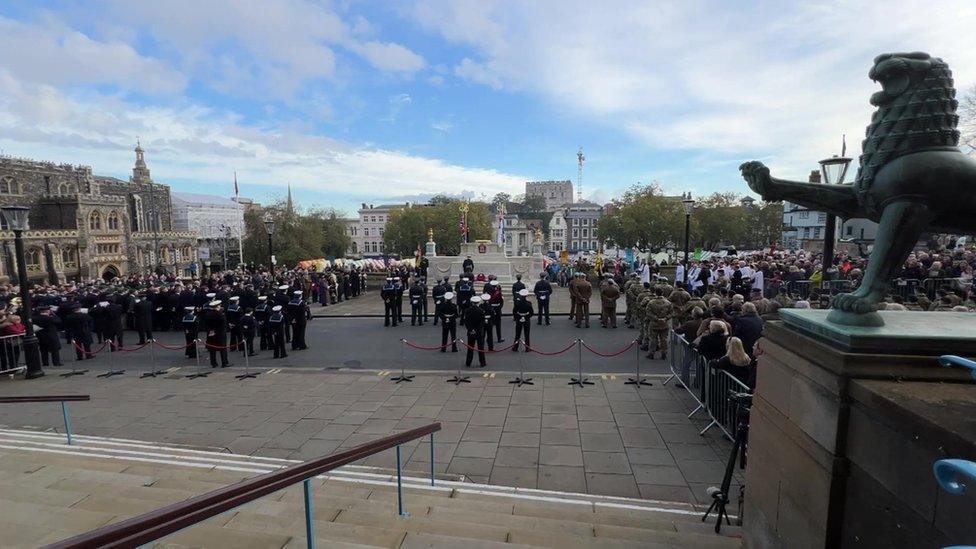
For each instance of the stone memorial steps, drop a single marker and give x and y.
(50, 491)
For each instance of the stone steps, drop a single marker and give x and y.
(49, 492)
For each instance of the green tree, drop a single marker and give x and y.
(643, 218)
(500, 198)
(720, 220)
(407, 228)
(297, 236)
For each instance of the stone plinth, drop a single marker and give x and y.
(489, 259)
(842, 438)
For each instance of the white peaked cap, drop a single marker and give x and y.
(523, 292)
(297, 292)
(234, 297)
(475, 299)
(83, 310)
(485, 297)
(211, 294)
(494, 283)
(449, 295)
(214, 303)
(103, 303)
(276, 308)
(187, 308)
(262, 298)
(283, 287)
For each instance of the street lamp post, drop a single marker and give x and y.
(834, 171)
(269, 224)
(464, 221)
(223, 242)
(16, 217)
(688, 203)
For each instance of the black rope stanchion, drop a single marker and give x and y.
(403, 375)
(111, 372)
(199, 372)
(458, 378)
(74, 371)
(637, 381)
(521, 379)
(579, 379)
(248, 374)
(153, 372)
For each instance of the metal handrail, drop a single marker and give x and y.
(156, 524)
(51, 398)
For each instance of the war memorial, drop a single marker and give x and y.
(859, 432)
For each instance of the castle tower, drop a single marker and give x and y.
(140, 173)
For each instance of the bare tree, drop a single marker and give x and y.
(967, 121)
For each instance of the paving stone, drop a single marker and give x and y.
(606, 462)
(661, 492)
(561, 478)
(549, 407)
(352, 418)
(523, 425)
(390, 412)
(476, 449)
(427, 411)
(597, 427)
(650, 456)
(559, 421)
(658, 474)
(680, 433)
(522, 477)
(482, 433)
(309, 426)
(247, 445)
(522, 411)
(682, 451)
(562, 437)
(520, 439)
(594, 413)
(671, 406)
(443, 452)
(561, 455)
(633, 420)
(641, 438)
(473, 467)
(336, 432)
(702, 471)
(379, 427)
(601, 442)
(612, 485)
(680, 418)
(269, 429)
(516, 456)
(489, 416)
(315, 448)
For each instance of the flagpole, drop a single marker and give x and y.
(240, 227)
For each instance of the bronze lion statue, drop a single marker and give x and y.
(912, 175)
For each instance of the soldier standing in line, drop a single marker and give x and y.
(609, 292)
(542, 291)
(659, 313)
(191, 328)
(113, 325)
(629, 295)
(465, 291)
(388, 294)
(523, 320)
(423, 293)
(448, 312)
(573, 290)
(398, 298)
(281, 298)
(583, 292)
(142, 318)
(485, 307)
(79, 325)
(277, 324)
(416, 308)
(261, 314)
(474, 323)
(299, 315)
(215, 325)
(248, 326)
(497, 301)
(48, 338)
(438, 292)
(516, 288)
(234, 313)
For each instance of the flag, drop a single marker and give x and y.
(843, 147)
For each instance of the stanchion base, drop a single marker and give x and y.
(638, 382)
(111, 373)
(399, 379)
(519, 381)
(201, 374)
(247, 375)
(580, 381)
(74, 373)
(154, 373)
(457, 380)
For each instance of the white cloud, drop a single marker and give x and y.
(444, 126)
(197, 144)
(397, 103)
(747, 81)
(390, 57)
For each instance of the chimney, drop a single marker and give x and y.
(815, 176)
(364, 206)
(371, 206)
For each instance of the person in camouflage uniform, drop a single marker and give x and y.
(659, 313)
(679, 297)
(695, 301)
(640, 308)
(631, 289)
(783, 298)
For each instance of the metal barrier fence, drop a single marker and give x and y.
(708, 386)
(902, 287)
(11, 359)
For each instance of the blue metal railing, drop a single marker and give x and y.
(953, 474)
(63, 399)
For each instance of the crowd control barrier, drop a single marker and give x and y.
(709, 387)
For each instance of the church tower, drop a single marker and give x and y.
(140, 173)
(289, 206)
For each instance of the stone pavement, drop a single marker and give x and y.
(608, 438)
(370, 304)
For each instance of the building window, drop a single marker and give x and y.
(33, 259)
(593, 232)
(95, 221)
(354, 248)
(585, 245)
(576, 222)
(586, 222)
(508, 240)
(187, 252)
(816, 232)
(593, 245)
(9, 186)
(586, 232)
(821, 217)
(575, 232)
(381, 231)
(365, 218)
(849, 230)
(804, 214)
(113, 221)
(806, 232)
(372, 219)
(69, 258)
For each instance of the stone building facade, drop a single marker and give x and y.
(86, 226)
(556, 194)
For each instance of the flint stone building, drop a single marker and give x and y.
(86, 226)
(556, 194)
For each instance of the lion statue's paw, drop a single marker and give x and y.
(853, 303)
(757, 176)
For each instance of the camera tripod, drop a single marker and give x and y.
(720, 496)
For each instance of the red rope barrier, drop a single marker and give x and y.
(171, 348)
(487, 351)
(598, 353)
(82, 349)
(543, 353)
(133, 349)
(220, 347)
(423, 348)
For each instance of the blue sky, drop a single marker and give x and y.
(352, 101)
